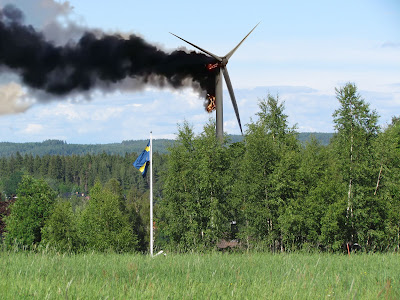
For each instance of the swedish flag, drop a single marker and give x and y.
(142, 162)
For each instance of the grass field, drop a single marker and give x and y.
(28, 275)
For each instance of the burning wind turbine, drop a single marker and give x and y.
(97, 61)
(103, 61)
(216, 101)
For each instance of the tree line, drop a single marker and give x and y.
(58, 147)
(280, 194)
(62, 148)
(78, 188)
(76, 173)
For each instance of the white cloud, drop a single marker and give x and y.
(134, 105)
(127, 117)
(33, 129)
(66, 110)
(231, 125)
(104, 114)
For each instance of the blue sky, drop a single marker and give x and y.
(301, 50)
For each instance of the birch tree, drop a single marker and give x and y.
(356, 128)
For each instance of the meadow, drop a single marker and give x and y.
(50, 275)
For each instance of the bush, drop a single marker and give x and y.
(29, 212)
(60, 231)
(103, 225)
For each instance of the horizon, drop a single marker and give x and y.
(136, 140)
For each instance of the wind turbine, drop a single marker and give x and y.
(222, 62)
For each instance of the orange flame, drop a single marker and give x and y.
(211, 103)
(212, 66)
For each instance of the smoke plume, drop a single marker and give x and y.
(11, 96)
(95, 62)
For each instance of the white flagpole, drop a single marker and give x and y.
(151, 194)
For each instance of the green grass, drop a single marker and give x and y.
(28, 275)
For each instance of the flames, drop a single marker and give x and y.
(211, 103)
(212, 66)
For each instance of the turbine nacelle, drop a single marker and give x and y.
(224, 62)
(217, 103)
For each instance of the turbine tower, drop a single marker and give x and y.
(222, 62)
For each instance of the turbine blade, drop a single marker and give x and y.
(228, 56)
(233, 99)
(201, 49)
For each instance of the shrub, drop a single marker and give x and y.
(60, 231)
(103, 225)
(29, 212)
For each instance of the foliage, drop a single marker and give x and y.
(285, 195)
(357, 130)
(138, 211)
(60, 229)
(70, 174)
(103, 225)
(11, 183)
(29, 212)
(387, 188)
(62, 148)
(194, 212)
(268, 190)
(265, 186)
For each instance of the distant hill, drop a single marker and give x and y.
(57, 147)
(322, 137)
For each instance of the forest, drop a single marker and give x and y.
(269, 191)
(58, 147)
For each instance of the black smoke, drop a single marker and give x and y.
(95, 61)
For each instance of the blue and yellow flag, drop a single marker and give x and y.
(142, 162)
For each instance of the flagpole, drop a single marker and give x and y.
(151, 194)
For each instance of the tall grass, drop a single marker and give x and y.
(29, 275)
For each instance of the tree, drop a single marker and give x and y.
(387, 188)
(178, 213)
(268, 174)
(300, 221)
(29, 212)
(56, 169)
(11, 183)
(272, 117)
(195, 210)
(357, 128)
(213, 185)
(138, 210)
(60, 229)
(102, 225)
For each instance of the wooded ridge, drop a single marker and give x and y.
(58, 147)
